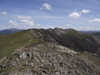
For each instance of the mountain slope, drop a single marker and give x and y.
(49, 52)
(69, 38)
(12, 41)
(46, 59)
(75, 40)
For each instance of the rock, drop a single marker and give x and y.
(46, 60)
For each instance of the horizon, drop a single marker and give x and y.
(81, 15)
(51, 28)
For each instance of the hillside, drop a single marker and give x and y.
(12, 41)
(69, 38)
(46, 59)
(49, 52)
(95, 35)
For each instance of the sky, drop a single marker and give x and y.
(25, 14)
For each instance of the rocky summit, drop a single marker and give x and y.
(52, 52)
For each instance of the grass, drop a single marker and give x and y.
(8, 43)
(90, 57)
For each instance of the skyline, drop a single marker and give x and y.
(24, 14)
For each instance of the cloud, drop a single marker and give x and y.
(3, 13)
(24, 17)
(26, 20)
(79, 13)
(85, 11)
(96, 20)
(46, 6)
(20, 21)
(11, 22)
(74, 15)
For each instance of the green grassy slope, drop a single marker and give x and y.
(8, 43)
(91, 58)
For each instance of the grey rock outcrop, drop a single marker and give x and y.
(46, 59)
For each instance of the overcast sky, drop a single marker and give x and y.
(77, 14)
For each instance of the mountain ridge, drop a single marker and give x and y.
(49, 52)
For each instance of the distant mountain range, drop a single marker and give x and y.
(9, 31)
(13, 30)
